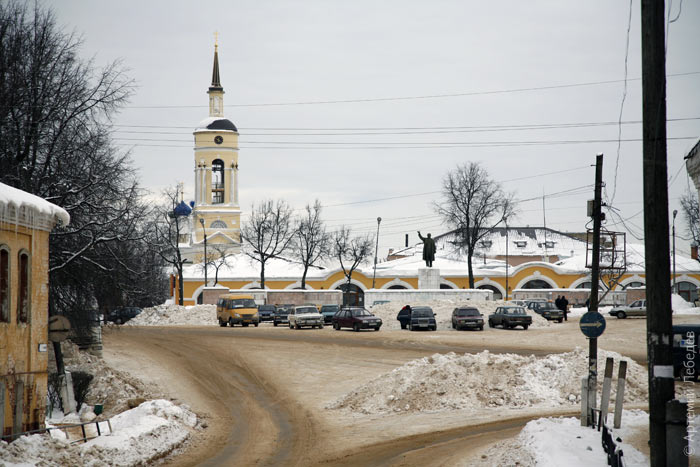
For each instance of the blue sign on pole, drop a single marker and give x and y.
(592, 324)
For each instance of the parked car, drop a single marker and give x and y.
(123, 314)
(636, 308)
(532, 300)
(404, 316)
(281, 314)
(266, 312)
(305, 315)
(686, 352)
(235, 309)
(422, 317)
(510, 317)
(328, 311)
(522, 303)
(356, 318)
(548, 310)
(467, 318)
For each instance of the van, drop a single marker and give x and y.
(235, 309)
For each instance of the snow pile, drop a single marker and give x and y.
(109, 387)
(553, 442)
(484, 380)
(681, 307)
(443, 311)
(175, 315)
(145, 433)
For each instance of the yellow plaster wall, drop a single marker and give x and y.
(20, 359)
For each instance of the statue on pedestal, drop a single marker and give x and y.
(428, 249)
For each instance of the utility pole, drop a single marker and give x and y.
(659, 350)
(595, 278)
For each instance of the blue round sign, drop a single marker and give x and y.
(592, 324)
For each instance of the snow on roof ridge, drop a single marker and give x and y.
(10, 196)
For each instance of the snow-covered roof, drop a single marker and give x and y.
(27, 209)
(216, 124)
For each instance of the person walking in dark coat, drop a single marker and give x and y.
(564, 307)
(557, 302)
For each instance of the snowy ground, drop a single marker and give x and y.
(175, 315)
(140, 435)
(475, 381)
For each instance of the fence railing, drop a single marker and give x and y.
(86, 436)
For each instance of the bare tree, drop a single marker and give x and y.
(351, 252)
(169, 226)
(474, 205)
(312, 242)
(691, 212)
(220, 259)
(268, 232)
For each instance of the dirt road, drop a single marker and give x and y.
(263, 390)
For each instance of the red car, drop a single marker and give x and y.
(356, 318)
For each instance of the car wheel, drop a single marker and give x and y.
(490, 323)
(377, 328)
(621, 315)
(410, 327)
(434, 328)
(118, 321)
(336, 326)
(297, 326)
(320, 326)
(481, 328)
(560, 320)
(222, 323)
(453, 325)
(290, 325)
(525, 326)
(356, 327)
(256, 324)
(230, 322)
(245, 325)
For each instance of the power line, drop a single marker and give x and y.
(406, 98)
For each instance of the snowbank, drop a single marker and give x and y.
(483, 380)
(554, 442)
(443, 310)
(139, 436)
(175, 315)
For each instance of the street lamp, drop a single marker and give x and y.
(505, 219)
(675, 213)
(374, 276)
(206, 279)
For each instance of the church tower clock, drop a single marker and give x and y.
(216, 176)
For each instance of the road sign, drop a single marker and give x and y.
(592, 324)
(59, 327)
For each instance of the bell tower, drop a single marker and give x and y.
(216, 176)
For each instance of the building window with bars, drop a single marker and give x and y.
(217, 181)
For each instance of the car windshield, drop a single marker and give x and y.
(548, 306)
(422, 312)
(330, 308)
(514, 310)
(266, 308)
(306, 310)
(467, 312)
(243, 303)
(361, 312)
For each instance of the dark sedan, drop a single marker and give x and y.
(422, 317)
(281, 315)
(266, 312)
(548, 310)
(356, 318)
(467, 318)
(122, 315)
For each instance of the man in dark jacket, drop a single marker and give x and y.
(428, 249)
(564, 307)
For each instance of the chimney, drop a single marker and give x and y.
(694, 251)
(406, 240)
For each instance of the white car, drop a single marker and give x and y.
(636, 308)
(301, 316)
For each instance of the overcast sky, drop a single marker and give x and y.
(286, 52)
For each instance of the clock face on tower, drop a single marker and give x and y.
(218, 139)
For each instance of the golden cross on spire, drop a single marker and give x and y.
(216, 39)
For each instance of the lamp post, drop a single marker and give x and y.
(505, 219)
(206, 279)
(675, 213)
(374, 275)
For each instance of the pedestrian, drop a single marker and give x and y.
(565, 307)
(557, 302)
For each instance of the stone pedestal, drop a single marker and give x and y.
(428, 278)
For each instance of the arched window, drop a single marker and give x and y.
(585, 285)
(352, 295)
(397, 287)
(687, 290)
(218, 225)
(496, 293)
(536, 284)
(217, 181)
(23, 295)
(4, 284)
(445, 286)
(634, 284)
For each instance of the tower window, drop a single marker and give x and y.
(218, 225)
(217, 182)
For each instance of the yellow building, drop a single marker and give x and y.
(25, 223)
(216, 209)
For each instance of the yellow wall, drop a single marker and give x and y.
(20, 358)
